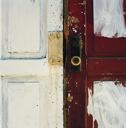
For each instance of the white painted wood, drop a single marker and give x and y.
(49, 77)
(24, 67)
(23, 105)
(56, 97)
(24, 28)
(55, 15)
(18, 90)
(24, 101)
(107, 104)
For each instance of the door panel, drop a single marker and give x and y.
(23, 24)
(106, 28)
(105, 93)
(106, 103)
(109, 18)
(23, 105)
(23, 101)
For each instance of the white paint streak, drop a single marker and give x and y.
(109, 18)
(108, 104)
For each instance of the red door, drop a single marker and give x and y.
(95, 63)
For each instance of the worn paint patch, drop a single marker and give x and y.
(55, 40)
(106, 103)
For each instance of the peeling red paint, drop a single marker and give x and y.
(96, 62)
(74, 27)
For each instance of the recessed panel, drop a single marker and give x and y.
(24, 28)
(109, 18)
(23, 25)
(21, 105)
(107, 104)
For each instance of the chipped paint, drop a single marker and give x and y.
(106, 103)
(72, 20)
(55, 40)
(69, 98)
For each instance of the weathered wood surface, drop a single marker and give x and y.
(55, 45)
(51, 77)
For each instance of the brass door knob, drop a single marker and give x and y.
(75, 60)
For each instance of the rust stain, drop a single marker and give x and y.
(55, 41)
(66, 30)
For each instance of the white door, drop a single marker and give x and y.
(25, 80)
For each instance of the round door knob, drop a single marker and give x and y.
(75, 60)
